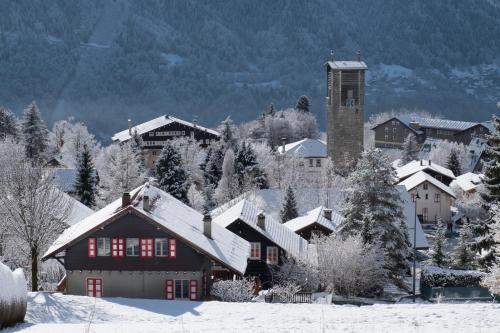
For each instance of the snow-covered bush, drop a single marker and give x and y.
(440, 277)
(492, 280)
(234, 290)
(297, 272)
(348, 267)
(12, 296)
(284, 293)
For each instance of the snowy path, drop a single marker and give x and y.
(59, 313)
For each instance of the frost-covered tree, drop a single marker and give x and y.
(85, 186)
(303, 104)
(213, 168)
(440, 153)
(233, 290)
(137, 145)
(8, 124)
(410, 149)
(248, 172)
(228, 184)
(349, 267)
(228, 134)
(370, 188)
(464, 255)
(195, 198)
(272, 110)
(208, 197)
(492, 280)
(298, 272)
(438, 255)
(453, 163)
(192, 157)
(35, 133)
(172, 177)
(289, 210)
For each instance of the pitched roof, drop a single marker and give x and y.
(468, 181)
(305, 148)
(274, 231)
(416, 166)
(157, 123)
(409, 217)
(315, 216)
(174, 216)
(346, 65)
(420, 177)
(437, 123)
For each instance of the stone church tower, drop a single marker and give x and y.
(345, 99)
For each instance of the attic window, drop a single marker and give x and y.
(103, 247)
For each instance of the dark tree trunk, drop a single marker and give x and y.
(34, 269)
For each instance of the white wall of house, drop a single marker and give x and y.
(433, 202)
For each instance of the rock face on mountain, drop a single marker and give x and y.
(104, 61)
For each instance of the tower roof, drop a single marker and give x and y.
(346, 65)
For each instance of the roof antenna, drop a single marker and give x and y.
(359, 55)
(332, 54)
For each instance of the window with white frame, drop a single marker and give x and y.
(103, 247)
(272, 255)
(132, 247)
(161, 247)
(255, 250)
(437, 197)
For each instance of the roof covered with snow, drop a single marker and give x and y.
(274, 230)
(177, 218)
(78, 211)
(315, 216)
(157, 123)
(305, 148)
(421, 165)
(468, 181)
(438, 123)
(409, 217)
(346, 65)
(421, 177)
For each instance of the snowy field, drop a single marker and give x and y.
(56, 313)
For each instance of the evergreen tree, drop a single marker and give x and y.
(203, 165)
(438, 255)
(272, 110)
(410, 149)
(247, 169)
(289, 210)
(172, 177)
(485, 243)
(303, 104)
(373, 199)
(227, 134)
(137, 145)
(464, 255)
(85, 186)
(8, 124)
(213, 168)
(34, 132)
(453, 163)
(208, 194)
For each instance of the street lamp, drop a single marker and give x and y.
(415, 246)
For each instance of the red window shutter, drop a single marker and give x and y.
(117, 247)
(169, 289)
(193, 290)
(172, 248)
(92, 251)
(146, 246)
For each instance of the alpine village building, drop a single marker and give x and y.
(156, 132)
(319, 221)
(147, 245)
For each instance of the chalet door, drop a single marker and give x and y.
(94, 287)
(169, 289)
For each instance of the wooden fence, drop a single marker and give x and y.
(300, 297)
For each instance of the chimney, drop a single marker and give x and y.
(207, 225)
(130, 126)
(421, 162)
(145, 203)
(261, 221)
(430, 162)
(283, 143)
(327, 213)
(195, 122)
(126, 200)
(359, 55)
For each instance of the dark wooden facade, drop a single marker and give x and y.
(313, 229)
(156, 138)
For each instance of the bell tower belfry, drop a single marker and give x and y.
(345, 99)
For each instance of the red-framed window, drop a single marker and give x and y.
(146, 246)
(255, 250)
(117, 247)
(172, 248)
(169, 289)
(92, 251)
(193, 290)
(272, 255)
(94, 287)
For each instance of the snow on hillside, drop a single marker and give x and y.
(59, 313)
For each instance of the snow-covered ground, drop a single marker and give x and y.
(59, 313)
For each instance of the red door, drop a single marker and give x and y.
(94, 287)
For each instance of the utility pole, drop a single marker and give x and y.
(415, 248)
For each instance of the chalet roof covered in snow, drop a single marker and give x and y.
(78, 211)
(409, 217)
(421, 177)
(157, 123)
(346, 65)
(274, 230)
(305, 148)
(468, 181)
(438, 123)
(169, 213)
(315, 216)
(416, 166)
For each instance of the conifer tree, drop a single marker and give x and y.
(438, 255)
(453, 163)
(172, 177)
(227, 134)
(85, 186)
(371, 189)
(8, 124)
(303, 104)
(247, 169)
(208, 195)
(289, 210)
(410, 149)
(464, 255)
(272, 110)
(34, 132)
(203, 165)
(213, 168)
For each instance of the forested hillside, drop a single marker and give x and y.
(106, 61)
